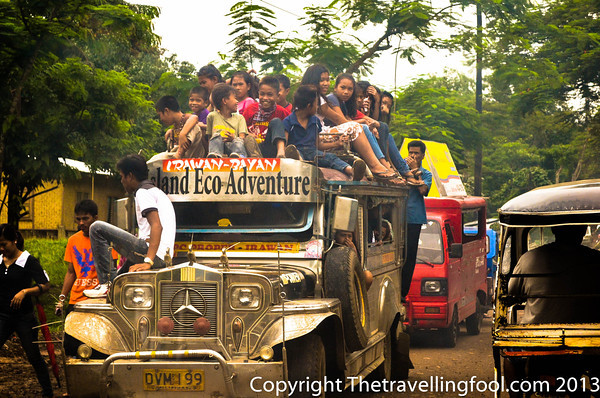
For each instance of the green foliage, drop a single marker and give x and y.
(51, 253)
(65, 90)
(251, 33)
(439, 109)
(326, 45)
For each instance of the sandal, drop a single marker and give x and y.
(384, 176)
(413, 182)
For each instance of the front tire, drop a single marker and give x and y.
(306, 359)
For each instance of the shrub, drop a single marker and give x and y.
(50, 252)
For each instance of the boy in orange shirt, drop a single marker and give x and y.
(81, 272)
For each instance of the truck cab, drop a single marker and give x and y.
(449, 284)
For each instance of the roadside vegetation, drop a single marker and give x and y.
(50, 252)
(79, 80)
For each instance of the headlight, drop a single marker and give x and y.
(245, 297)
(434, 287)
(138, 297)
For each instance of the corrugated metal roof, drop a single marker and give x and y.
(81, 167)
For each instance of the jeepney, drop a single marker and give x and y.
(554, 359)
(258, 301)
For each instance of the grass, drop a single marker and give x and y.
(50, 252)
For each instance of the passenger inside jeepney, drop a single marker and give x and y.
(380, 232)
(546, 276)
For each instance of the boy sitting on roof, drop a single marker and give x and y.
(266, 136)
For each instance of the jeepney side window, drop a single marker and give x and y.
(381, 231)
(473, 224)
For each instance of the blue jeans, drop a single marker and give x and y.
(102, 234)
(275, 132)
(388, 146)
(373, 142)
(22, 324)
(326, 159)
(218, 145)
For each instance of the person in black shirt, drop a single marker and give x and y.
(17, 271)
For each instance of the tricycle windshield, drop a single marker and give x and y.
(431, 247)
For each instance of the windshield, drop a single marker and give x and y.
(255, 217)
(431, 248)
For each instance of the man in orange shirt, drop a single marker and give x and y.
(81, 272)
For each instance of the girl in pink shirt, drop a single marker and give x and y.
(245, 90)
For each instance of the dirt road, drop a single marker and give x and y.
(472, 357)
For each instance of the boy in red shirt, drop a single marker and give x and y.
(266, 136)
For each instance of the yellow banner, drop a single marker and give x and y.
(290, 247)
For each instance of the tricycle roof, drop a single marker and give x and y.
(567, 203)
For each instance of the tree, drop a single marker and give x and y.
(409, 21)
(251, 35)
(439, 109)
(56, 101)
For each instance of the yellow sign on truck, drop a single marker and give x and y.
(446, 180)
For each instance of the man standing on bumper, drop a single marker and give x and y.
(156, 223)
(415, 209)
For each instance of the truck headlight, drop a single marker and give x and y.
(245, 297)
(434, 287)
(136, 297)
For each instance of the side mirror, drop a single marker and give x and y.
(345, 213)
(456, 250)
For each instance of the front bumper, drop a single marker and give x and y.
(122, 375)
(428, 314)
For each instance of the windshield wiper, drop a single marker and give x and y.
(421, 261)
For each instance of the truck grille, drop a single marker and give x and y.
(201, 297)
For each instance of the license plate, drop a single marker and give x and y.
(173, 380)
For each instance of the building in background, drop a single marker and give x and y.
(50, 214)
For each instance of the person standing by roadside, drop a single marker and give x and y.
(415, 209)
(156, 222)
(81, 271)
(17, 272)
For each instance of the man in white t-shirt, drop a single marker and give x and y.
(156, 223)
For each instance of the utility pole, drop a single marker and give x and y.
(478, 103)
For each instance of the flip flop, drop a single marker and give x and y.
(384, 176)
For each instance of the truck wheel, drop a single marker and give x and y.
(450, 334)
(473, 322)
(345, 280)
(384, 371)
(401, 363)
(306, 361)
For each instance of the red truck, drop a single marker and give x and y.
(449, 283)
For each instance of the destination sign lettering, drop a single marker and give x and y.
(183, 247)
(233, 179)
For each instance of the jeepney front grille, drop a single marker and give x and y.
(201, 297)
